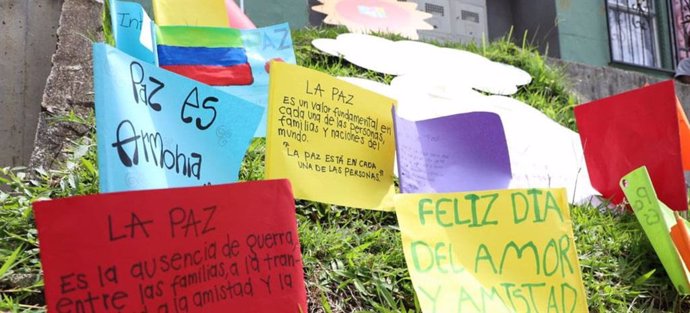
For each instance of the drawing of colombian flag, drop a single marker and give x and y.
(212, 55)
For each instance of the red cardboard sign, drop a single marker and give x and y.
(633, 129)
(225, 248)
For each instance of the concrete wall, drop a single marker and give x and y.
(536, 19)
(270, 12)
(27, 42)
(69, 88)
(595, 82)
(499, 15)
(583, 34)
(683, 93)
(146, 4)
(315, 18)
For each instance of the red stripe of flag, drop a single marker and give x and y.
(235, 75)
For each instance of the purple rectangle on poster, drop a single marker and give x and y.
(457, 153)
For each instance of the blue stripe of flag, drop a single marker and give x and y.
(173, 55)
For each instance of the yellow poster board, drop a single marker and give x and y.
(191, 13)
(332, 139)
(492, 251)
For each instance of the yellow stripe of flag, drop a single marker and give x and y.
(191, 12)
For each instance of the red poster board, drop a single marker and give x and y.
(225, 248)
(633, 129)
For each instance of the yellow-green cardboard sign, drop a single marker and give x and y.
(656, 219)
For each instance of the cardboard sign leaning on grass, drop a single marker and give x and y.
(234, 60)
(157, 129)
(191, 12)
(133, 30)
(656, 220)
(633, 129)
(263, 45)
(225, 248)
(332, 139)
(219, 13)
(681, 239)
(492, 251)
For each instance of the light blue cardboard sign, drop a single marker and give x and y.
(263, 45)
(133, 30)
(157, 129)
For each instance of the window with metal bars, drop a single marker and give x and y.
(633, 32)
(434, 8)
(681, 23)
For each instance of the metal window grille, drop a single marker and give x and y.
(681, 16)
(633, 32)
(433, 8)
(469, 16)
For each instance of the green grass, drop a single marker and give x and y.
(353, 259)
